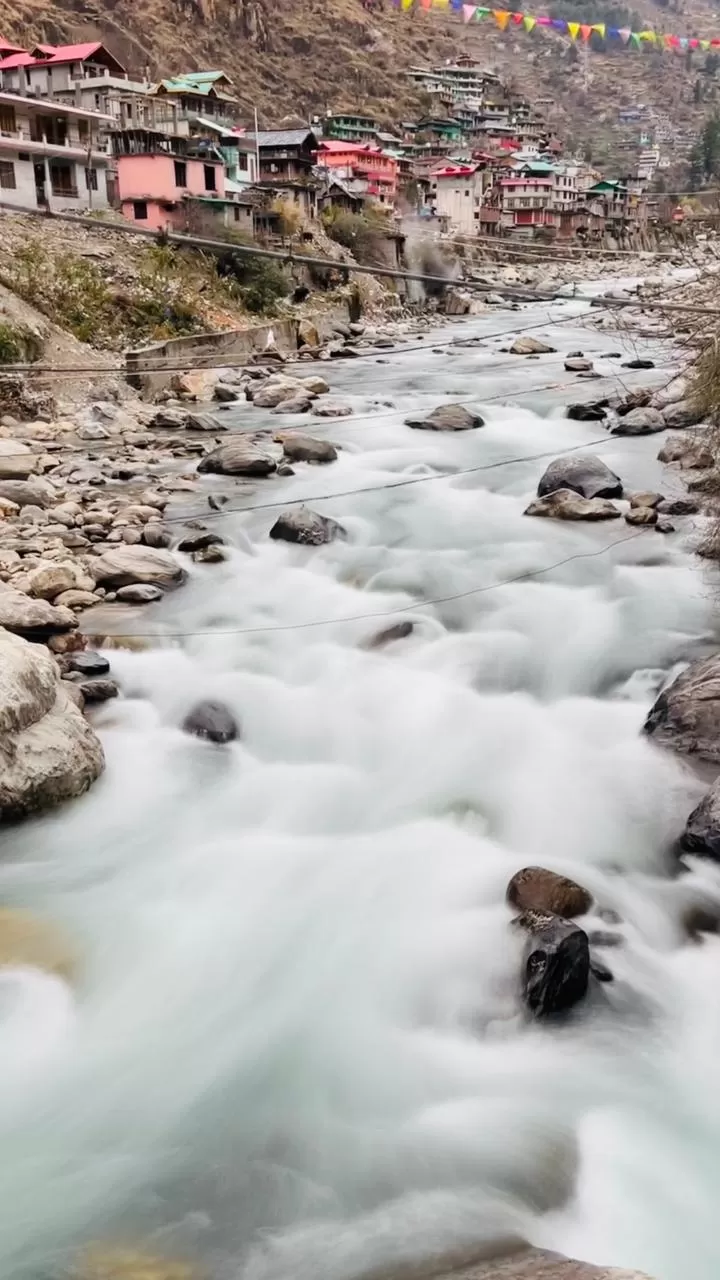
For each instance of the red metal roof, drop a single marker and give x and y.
(6, 46)
(456, 171)
(334, 144)
(51, 55)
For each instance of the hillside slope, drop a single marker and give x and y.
(306, 56)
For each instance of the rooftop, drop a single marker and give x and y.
(54, 55)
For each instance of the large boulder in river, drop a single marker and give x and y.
(584, 473)
(298, 447)
(240, 456)
(640, 422)
(17, 461)
(523, 1264)
(300, 524)
(556, 963)
(563, 504)
(538, 889)
(447, 417)
(702, 829)
(49, 751)
(527, 346)
(212, 721)
(686, 715)
(682, 414)
(121, 566)
(271, 394)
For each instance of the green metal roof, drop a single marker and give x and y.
(193, 82)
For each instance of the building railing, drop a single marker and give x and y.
(64, 191)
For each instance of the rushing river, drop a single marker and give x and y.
(296, 1049)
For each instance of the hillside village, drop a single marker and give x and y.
(81, 132)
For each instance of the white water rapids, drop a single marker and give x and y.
(296, 1049)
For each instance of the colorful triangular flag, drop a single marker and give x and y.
(573, 30)
(624, 34)
(600, 28)
(529, 22)
(502, 17)
(468, 12)
(585, 31)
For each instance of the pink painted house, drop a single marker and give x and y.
(160, 178)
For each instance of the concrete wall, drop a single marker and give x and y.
(211, 350)
(153, 178)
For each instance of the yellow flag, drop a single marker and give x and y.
(529, 22)
(502, 17)
(648, 35)
(600, 28)
(573, 28)
(407, 4)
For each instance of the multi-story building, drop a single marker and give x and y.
(349, 126)
(287, 159)
(201, 93)
(366, 171)
(459, 196)
(52, 156)
(160, 177)
(50, 70)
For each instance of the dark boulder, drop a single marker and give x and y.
(702, 829)
(556, 963)
(686, 715)
(593, 411)
(211, 721)
(584, 473)
(301, 448)
(239, 457)
(537, 889)
(156, 535)
(633, 400)
(88, 663)
(399, 631)
(300, 524)
(199, 541)
(447, 417)
(678, 507)
(639, 364)
(640, 422)
(98, 690)
(140, 593)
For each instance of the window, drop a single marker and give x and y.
(7, 175)
(236, 212)
(7, 120)
(91, 179)
(242, 162)
(84, 132)
(23, 155)
(181, 173)
(140, 211)
(210, 177)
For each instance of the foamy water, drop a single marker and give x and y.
(296, 1049)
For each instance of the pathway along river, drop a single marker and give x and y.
(297, 1050)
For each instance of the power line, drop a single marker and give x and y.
(392, 613)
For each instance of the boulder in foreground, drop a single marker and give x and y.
(50, 752)
(686, 715)
(531, 347)
(239, 457)
(556, 963)
(584, 473)
(211, 721)
(701, 836)
(520, 1264)
(538, 889)
(122, 566)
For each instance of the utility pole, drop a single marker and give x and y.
(257, 146)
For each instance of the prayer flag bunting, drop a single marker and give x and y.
(468, 12)
(502, 17)
(585, 31)
(573, 29)
(529, 22)
(600, 28)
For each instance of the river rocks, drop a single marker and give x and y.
(49, 580)
(33, 619)
(331, 410)
(157, 535)
(98, 690)
(17, 461)
(538, 889)
(300, 524)
(556, 963)
(564, 504)
(593, 411)
(399, 631)
(26, 493)
(76, 599)
(225, 394)
(50, 753)
(682, 414)
(296, 404)
(123, 565)
(678, 507)
(702, 829)
(686, 715)
(140, 593)
(29, 941)
(307, 334)
(636, 399)
(640, 422)
(639, 363)
(204, 422)
(527, 346)
(584, 473)
(198, 541)
(447, 417)
(513, 1263)
(645, 498)
(272, 394)
(88, 663)
(302, 448)
(211, 721)
(641, 516)
(314, 384)
(690, 452)
(578, 364)
(239, 457)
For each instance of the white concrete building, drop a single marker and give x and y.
(458, 195)
(52, 155)
(47, 70)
